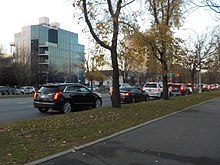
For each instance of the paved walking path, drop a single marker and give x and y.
(190, 137)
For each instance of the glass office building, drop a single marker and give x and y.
(53, 54)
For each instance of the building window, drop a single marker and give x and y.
(53, 36)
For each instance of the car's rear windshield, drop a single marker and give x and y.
(150, 85)
(177, 86)
(126, 88)
(50, 89)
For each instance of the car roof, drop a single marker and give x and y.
(60, 84)
(129, 88)
(153, 82)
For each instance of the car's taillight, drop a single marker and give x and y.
(181, 88)
(35, 95)
(126, 94)
(56, 95)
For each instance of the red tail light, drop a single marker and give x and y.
(35, 95)
(126, 94)
(181, 88)
(56, 95)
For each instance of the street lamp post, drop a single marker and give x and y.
(78, 79)
(200, 85)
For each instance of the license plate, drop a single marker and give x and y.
(43, 96)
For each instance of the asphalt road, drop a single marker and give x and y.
(190, 137)
(21, 108)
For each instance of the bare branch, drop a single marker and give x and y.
(91, 28)
(127, 4)
(110, 7)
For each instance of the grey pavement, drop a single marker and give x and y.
(189, 137)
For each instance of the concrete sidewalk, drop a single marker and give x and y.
(189, 137)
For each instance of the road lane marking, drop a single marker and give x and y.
(22, 102)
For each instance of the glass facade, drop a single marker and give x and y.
(60, 57)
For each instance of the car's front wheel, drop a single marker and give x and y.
(98, 103)
(67, 107)
(43, 110)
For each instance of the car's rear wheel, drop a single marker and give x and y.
(147, 98)
(98, 103)
(133, 100)
(170, 94)
(67, 107)
(43, 110)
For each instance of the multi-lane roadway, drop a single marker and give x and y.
(21, 108)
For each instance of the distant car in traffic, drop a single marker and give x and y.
(133, 94)
(94, 88)
(17, 91)
(27, 90)
(205, 87)
(4, 90)
(65, 97)
(179, 89)
(189, 88)
(12, 90)
(154, 89)
(120, 86)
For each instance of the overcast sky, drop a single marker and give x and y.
(15, 14)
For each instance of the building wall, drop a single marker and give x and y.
(58, 54)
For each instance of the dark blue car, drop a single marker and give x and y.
(133, 94)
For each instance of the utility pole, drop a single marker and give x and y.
(200, 85)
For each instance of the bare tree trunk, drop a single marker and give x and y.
(116, 102)
(126, 77)
(91, 84)
(165, 86)
(192, 75)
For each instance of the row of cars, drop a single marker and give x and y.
(155, 89)
(208, 87)
(132, 94)
(66, 97)
(4, 90)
